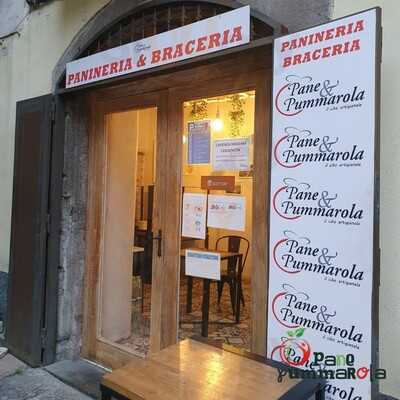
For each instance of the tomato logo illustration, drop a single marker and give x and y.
(293, 350)
(362, 372)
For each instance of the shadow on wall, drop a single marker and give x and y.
(3, 302)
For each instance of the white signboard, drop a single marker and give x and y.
(213, 34)
(231, 155)
(194, 215)
(226, 212)
(322, 198)
(203, 264)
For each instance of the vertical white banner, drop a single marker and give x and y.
(322, 200)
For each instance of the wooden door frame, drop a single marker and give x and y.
(92, 346)
(260, 81)
(245, 70)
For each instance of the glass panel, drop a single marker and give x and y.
(126, 263)
(218, 144)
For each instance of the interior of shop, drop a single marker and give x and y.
(229, 122)
(222, 223)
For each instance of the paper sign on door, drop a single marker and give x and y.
(203, 264)
(194, 215)
(227, 212)
(231, 155)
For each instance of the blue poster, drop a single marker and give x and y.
(199, 142)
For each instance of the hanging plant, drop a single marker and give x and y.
(237, 114)
(198, 110)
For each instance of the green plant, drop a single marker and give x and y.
(198, 110)
(237, 114)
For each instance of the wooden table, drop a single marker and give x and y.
(205, 309)
(191, 370)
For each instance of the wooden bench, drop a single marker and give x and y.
(192, 370)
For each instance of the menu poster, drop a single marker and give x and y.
(194, 215)
(231, 155)
(322, 201)
(227, 212)
(199, 139)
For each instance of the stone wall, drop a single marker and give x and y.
(73, 231)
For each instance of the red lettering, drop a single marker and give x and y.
(190, 45)
(178, 50)
(316, 54)
(297, 59)
(105, 71)
(114, 68)
(128, 64)
(214, 40)
(303, 41)
(121, 65)
(336, 49)
(329, 34)
(97, 72)
(237, 34)
(350, 28)
(326, 52)
(359, 26)
(225, 38)
(77, 78)
(285, 46)
(355, 45)
(70, 78)
(307, 57)
(293, 44)
(142, 61)
(340, 31)
(167, 53)
(287, 61)
(85, 75)
(319, 37)
(201, 45)
(156, 56)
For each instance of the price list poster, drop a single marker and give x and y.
(323, 218)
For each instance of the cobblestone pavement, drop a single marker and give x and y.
(36, 384)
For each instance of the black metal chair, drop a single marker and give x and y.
(144, 239)
(234, 245)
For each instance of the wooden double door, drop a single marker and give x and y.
(166, 95)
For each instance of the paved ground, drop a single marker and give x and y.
(9, 365)
(19, 382)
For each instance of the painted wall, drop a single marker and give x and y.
(27, 60)
(12, 13)
(390, 186)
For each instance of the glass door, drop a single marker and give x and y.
(217, 203)
(126, 194)
(220, 132)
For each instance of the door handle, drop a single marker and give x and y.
(159, 244)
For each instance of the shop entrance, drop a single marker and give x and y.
(153, 146)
